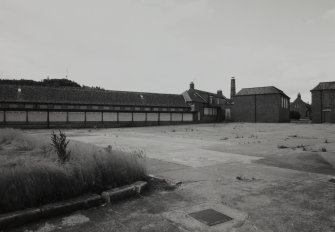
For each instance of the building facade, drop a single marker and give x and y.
(323, 103)
(302, 107)
(50, 107)
(261, 104)
(207, 107)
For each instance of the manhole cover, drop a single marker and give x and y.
(210, 217)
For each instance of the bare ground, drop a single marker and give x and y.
(278, 174)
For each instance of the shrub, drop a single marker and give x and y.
(60, 143)
(294, 115)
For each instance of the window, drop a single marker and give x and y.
(29, 106)
(83, 107)
(95, 107)
(147, 108)
(117, 108)
(218, 101)
(173, 109)
(193, 107)
(137, 108)
(13, 105)
(210, 99)
(155, 109)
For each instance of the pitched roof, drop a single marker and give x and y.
(325, 86)
(300, 101)
(196, 95)
(38, 94)
(260, 91)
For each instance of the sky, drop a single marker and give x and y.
(163, 45)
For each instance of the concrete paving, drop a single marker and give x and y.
(237, 169)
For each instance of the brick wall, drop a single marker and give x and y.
(243, 109)
(261, 108)
(323, 106)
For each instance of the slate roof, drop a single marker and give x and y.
(325, 86)
(69, 95)
(260, 91)
(196, 95)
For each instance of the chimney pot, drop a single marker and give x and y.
(219, 92)
(192, 85)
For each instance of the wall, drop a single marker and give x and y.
(259, 108)
(323, 106)
(268, 108)
(243, 109)
(92, 119)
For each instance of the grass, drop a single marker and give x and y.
(30, 174)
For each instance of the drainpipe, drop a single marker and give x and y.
(321, 105)
(255, 109)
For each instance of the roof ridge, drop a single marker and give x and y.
(87, 89)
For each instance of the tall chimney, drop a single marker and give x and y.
(232, 88)
(192, 85)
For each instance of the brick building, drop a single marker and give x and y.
(323, 103)
(38, 106)
(208, 107)
(261, 104)
(302, 107)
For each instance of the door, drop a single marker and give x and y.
(227, 114)
(326, 117)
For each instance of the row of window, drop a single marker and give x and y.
(88, 107)
(284, 103)
(210, 111)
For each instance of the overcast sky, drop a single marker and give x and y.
(162, 45)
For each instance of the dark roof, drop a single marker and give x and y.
(325, 86)
(260, 91)
(38, 94)
(300, 102)
(196, 95)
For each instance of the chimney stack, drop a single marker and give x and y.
(192, 85)
(219, 93)
(232, 88)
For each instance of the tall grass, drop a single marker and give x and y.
(30, 174)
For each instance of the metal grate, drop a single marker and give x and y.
(210, 217)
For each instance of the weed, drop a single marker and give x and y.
(109, 148)
(226, 138)
(323, 149)
(59, 144)
(302, 146)
(173, 130)
(326, 141)
(282, 147)
(36, 178)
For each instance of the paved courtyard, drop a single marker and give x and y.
(273, 177)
